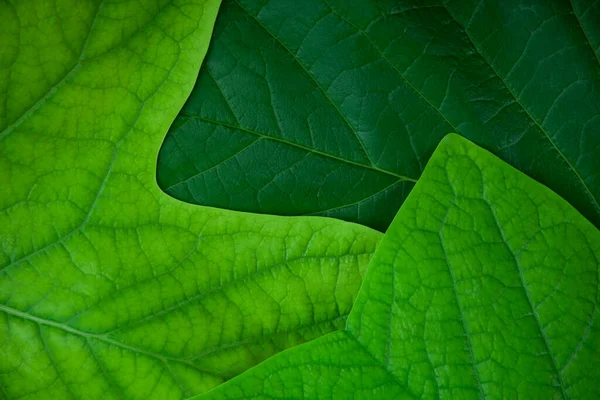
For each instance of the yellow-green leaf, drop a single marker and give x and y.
(109, 288)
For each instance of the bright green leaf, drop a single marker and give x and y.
(333, 107)
(485, 286)
(109, 288)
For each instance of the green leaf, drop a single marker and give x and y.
(486, 285)
(109, 288)
(333, 107)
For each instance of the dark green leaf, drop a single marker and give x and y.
(333, 107)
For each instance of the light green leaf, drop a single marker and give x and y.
(333, 107)
(109, 288)
(485, 286)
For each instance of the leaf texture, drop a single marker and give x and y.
(485, 286)
(333, 107)
(109, 288)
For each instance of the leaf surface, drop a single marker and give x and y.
(485, 286)
(109, 288)
(333, 107)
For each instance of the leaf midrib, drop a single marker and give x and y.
(280, 140)
(106, 176)
(383, 366)
(587, 37)
(187, 361)
(335, 106)
(511, 92)
(463, 322)
(54, 88)
(534, 312)
(100, 337)
(537, 123)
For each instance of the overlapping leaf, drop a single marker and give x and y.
(109, 288)
(333, 107)
(486, 285)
